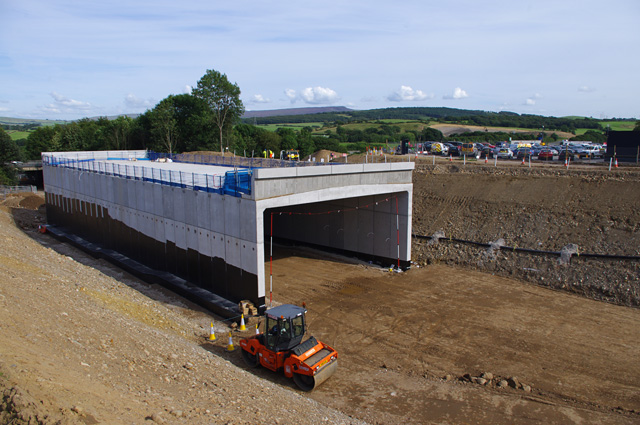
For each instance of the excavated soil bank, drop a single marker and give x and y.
(465, 336)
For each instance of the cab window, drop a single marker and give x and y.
(298, 326)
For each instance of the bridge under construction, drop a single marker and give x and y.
(201, 224)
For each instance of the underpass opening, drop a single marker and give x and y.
(370, 228)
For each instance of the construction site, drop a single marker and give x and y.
(449, 328)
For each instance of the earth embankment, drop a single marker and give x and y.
(588, 210)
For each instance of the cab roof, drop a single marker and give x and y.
(287, 311)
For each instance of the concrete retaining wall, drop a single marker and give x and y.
(216, 241)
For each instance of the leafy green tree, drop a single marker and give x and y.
(637, 127)
(8, 148)
(289, 138)
(305, 142)
(42, 139)
(118, 132)
(408, 136)
(164, 125)
(223, 99)
(81, 135)
(431, 134)
(591, 136)
(9, 151)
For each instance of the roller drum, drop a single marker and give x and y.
(308, 383)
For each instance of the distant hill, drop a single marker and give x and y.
(23, 121)
(295, 111)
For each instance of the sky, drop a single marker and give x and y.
(68, 59)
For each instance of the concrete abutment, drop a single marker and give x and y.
(184, 220)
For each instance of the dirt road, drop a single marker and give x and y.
(407, 341)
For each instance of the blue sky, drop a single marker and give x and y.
(68, 59)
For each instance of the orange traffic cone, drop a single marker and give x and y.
(522, 160)
(450, 158)
(486, 159)
(230, 347)
(616, 163)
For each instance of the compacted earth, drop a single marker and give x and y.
(470, 334)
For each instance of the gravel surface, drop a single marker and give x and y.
(83, 342)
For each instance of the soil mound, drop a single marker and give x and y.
(538, 209)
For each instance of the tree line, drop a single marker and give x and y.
(208, 119)
(443, 115)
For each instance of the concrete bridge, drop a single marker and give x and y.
(204, 227)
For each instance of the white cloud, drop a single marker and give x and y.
(318, 95)
(313, 95)
(62, 104)
(458, 93)
(258, 98)
(586, 89)
(530, 101)
(291, 94)
(61, 101)
(187, 89)
(406, 93)
(134, 102)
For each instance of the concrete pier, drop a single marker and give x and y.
(208, 224)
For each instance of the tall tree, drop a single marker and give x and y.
(118, 131)
(164, 125)
(8, 149)
(42, 139)
(222, 97)
(8, 152)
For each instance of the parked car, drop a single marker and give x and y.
(593, 151)
(566, 153)
(545, 155)
(469, 150)
(503, 153)
(454, 150)
(523, 153)
(486, 150)
(439, 149)
(536, 149)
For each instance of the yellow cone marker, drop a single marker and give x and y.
(242, 325)
(230, 347)
(212, 334)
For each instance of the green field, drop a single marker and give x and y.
(619, 125)
(404, 125)
(295, 126)
(19, 121)
(17, 135)
(613, 125)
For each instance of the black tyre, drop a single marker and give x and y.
(250, 359)
(304, 382)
